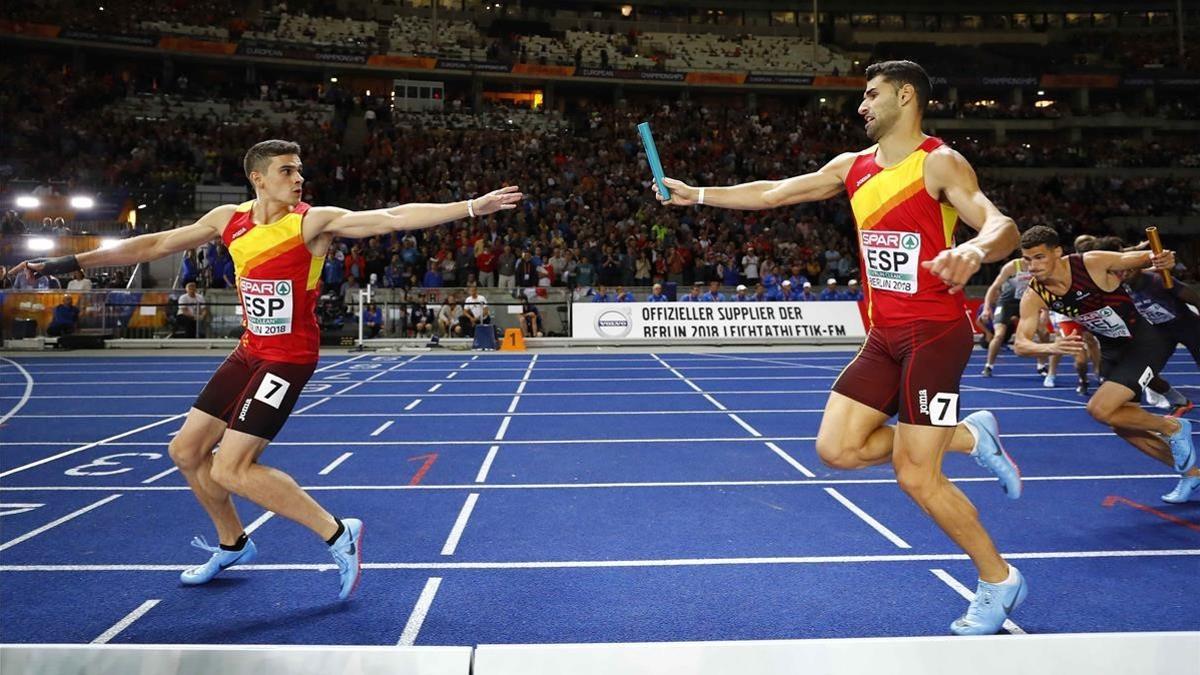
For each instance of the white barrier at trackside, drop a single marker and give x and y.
(814, 322)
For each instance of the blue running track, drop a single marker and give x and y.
(567, 497)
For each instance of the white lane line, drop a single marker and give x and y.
(503, 428)
(521, 387)
(475, 357)
(452, 375)
(356, 384)
(163, 474)
(412, 405)
(259, 522)
(435, 387)
(950, 581)
(312, 405)
(121, 625)
(487, 464)
(25, 396)
(464, 365)
(747, 427)
(706, 411)
(715, 402)
(55, 523)
(512, 407)
(460, 524)
(577, 441)
(791, 460)
(413, 627)
(969, 387)
(335, 464)
(382, 427)
(593, 486)
(338, 363)
(601, 564)
(866, 518)
(68, 453)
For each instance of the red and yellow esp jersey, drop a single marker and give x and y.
(899, 227)
(277, 279)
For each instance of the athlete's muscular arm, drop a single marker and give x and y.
(824, 183)
(950, 179)
(334, 221)
(993, 291)
(1108, 264)
(137, 249)
(1024, 345)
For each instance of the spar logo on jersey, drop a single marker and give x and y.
(268, 305)
(910, 242)
(891, 259)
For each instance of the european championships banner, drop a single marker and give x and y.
(632, 321)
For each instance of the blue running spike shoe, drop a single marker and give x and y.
(347, 553)
(1188, 487)
(221, 559)
(1182, 447)
(993, 604)
(990, 454)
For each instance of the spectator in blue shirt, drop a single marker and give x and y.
(853, 292)
(601, 294)
(806, 294)
(741, 296)
(798, 279)
(760, 294)
(433, 279)
(714, 293)
(694, 296)
(66, 317)
(373, 320)
(656, 294)
(623, 295)
(831, 291)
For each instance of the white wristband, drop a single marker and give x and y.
(976, 249)
(470, 211)
(701, 199)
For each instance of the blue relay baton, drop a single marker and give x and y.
(652, 157)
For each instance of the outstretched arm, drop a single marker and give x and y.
(137, 249)
(821, 184)
(330, 220)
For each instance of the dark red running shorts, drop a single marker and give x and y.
(912, 370)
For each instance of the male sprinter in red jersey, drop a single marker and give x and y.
(907, 192)
(278, 244)
(1087, 288)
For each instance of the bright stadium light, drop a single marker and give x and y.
(142, 206)
(333, 80)
(40, 244)
(82, 202)
(28, 202)
(1041, 92)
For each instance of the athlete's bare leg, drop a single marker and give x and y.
(1093, 349)
(998, 339)
(854, 435)
(236, 468)
(918, 463)
(1112, 405)
(191, 450)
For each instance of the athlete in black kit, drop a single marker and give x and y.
(1087, 288)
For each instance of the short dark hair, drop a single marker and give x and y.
(1110, 243)
(901, 73)
(1038, 235)
(261, 153)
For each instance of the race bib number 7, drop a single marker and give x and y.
(891, 260)
(268, 306)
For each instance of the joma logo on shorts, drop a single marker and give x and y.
(923, 401)
(246, 407)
